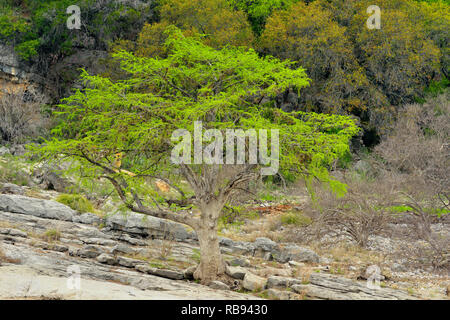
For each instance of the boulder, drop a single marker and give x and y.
(36, 207)
(12, 188)
(240, 262)
(106, 259)
(281, 282)
(148, 226)
(281, 295)
(253, 282)
(90, 251)
(165, 273)
(218, 285)
(295, 253)
(4, 151)
(236, 272)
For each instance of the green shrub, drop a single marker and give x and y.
(76, 202)
(52, 235)
(28, 49)
(13, 172)
(295, 218)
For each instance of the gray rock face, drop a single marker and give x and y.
(253, 282)
(11, 188)
(240, 262)
(90, 251)
(4, 150)
(36, 207)
(236, 272)
(295, 253)
(280, 295)
(148, 226)
(330, 287)
(218, 285)
(9, 61)
(278, 282)
(87, 218)
(106, 259)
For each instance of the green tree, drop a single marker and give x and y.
(137, 116)
(220, 24)
(308, 34)
(259, 10)
(399, 59)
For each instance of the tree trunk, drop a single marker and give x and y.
(212, 265)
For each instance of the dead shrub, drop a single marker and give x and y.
(417, 152)
(359, 214)
(21, 116)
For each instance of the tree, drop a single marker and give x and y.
(222, 88)
(214, 18)
(258, 11)
(399, 59)
(308, 34)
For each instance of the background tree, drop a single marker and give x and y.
(222, 88)
(259, 10)
(214, 18)
(308, 34)
(399, 59)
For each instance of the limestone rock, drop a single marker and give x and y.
(281, 295)
(148, 226)
(236, 272)
(106, 259)
(253, 282)
(218, 285)
(296, 253)
(36, 207)
(12, 188)
(278, 282)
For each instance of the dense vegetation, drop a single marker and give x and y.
(354, 70)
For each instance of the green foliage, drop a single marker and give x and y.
(296, 219)
(39, 26)
(52, 235)
(235, 216)
(12, 171)
(76, 202)
(195, 82)
(355, 70)
(195, 255)
(308, 34)
(259, 10)
(215, 19)
(28, 49)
